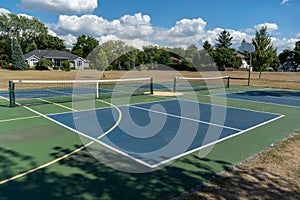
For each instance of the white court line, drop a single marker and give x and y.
(215, 142)
(68, 108)
(186, 118)
(66, 155)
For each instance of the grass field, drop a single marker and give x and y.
(29, 141)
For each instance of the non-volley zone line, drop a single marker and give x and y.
(66, 155)
(139, 147)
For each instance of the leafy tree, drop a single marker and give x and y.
(31, 47)
(191, 51)
(265, 52)
(98, 59)
(297, 53)
(84, 46)
(286, 56)
(29, 32)
(43, 64)
(49, 42)
(18, 60)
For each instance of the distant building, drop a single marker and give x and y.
(57, 57)
(245, 65)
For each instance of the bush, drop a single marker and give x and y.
(66, 66)
(43, 64)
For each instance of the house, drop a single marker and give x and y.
(245, 65)
(57, 57)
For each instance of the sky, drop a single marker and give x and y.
(164, 22)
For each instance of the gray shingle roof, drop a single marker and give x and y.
(52, 54)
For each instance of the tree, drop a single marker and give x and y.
(191, 51)
(84, 46)
(43, 64)
(18, 60)
(49, 42)
(264, 53)
(29, 32)
(297, 53)
(286, 56)
(224, 40)
(66, 66)
(224, 56)
(98, 59)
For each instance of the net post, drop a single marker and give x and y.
(228, 81)
(151, 86)
(12, 99)
(97, 90)
(174, 84)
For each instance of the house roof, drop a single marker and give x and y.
(56, 54)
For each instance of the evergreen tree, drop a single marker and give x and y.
(18, 60)
(208, 48)
(224, 40)
(224, 56)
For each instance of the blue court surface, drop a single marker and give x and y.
(280, 97)
(158, 132)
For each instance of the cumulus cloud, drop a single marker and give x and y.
(4, 11)
(270, 26)
(127, 27)
(137, 30)
(284, 2)
(61, 6)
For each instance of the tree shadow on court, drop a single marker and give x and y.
(83, 177)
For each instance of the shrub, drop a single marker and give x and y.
(66, 65)
(43, 64)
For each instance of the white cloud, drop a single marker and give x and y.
(4, 11)
(284, 2)
(127, 27)
(283, 43)
(61, 6)
(136, 30)
(270, 26)
(69, 39)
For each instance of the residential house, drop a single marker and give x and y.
(245, 65)
(57, 57)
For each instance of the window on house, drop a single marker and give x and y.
(79, 64)
(57, 63)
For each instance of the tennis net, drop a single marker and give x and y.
(30, 92)
(194, 84)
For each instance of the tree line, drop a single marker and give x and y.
(21, 34)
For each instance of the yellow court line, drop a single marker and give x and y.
(69, 154)
(20, 118)
(45, 165)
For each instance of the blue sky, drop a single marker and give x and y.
(198, 19)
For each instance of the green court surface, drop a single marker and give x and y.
(28, 140)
